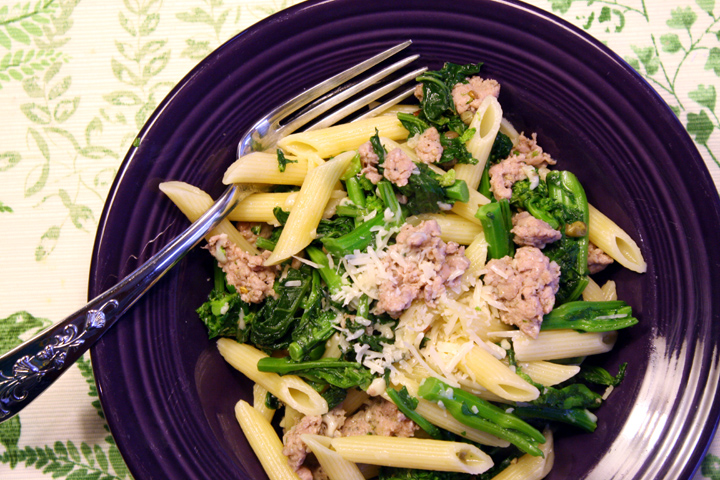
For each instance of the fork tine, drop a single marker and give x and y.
(366, 100)
(335, 100)
(375, 111)
(325, 86)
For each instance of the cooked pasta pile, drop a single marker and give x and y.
(412, 293)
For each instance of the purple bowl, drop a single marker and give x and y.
(168, 396)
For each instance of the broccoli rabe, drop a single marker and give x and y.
(453, 144)
(224, 311)
(339, 373)
(437, 103)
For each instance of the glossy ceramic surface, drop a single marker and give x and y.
(168, 396)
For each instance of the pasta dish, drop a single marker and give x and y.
(412, 294)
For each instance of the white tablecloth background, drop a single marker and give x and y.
(78, 79)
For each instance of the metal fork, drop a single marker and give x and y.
(27, 370)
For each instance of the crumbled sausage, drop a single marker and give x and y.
(526, 285)
(376, 417)
(244, 271)
(428, 148)
(293, 446)
(369, 160)
(419, 265)
(533, 232)
(379, 417)
(398, 167)
(469, 96)
(597, 259)
(246, 230)
(513, 169)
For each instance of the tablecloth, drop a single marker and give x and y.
(78, 78)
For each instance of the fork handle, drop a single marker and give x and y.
(27, 370)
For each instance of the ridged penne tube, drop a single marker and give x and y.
(260, 403)
(328, 142)
(332, 463)
(614, 241)
(193, 202)
(548, 373)
(486, 123)
(259, 207)
(417, 453)
(290, 389)
(262, 167)
(469, 209)
(592, 292)
(476, 252)
(508, 129)
(528, 467)
(308, 209)
(264, 441)
(496, 377)
(438, 416)
(354, 399)
(557, 344)
(453, 227)
(595, 293)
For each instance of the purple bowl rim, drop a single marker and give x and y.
(680, 132)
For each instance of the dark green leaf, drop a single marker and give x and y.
(101, 458)
(605, 14)
(700, 125)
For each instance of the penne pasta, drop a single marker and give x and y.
(548, 373)
(453, 228)
(311, 201)
(469, 209)
(259, 206)
(334, 465)
(528, 467)
(419, 453)
(260, 402)
(558, 344)
(614, 241)
(508, 129)
(331, 141)
(438, 416)
(290, 389)
(264, 441)
(262, 167)
(193, 202)
(496, 377)
(486, 123)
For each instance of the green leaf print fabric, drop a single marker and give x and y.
(78, 79)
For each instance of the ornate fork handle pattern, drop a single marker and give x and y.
(27, 370)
